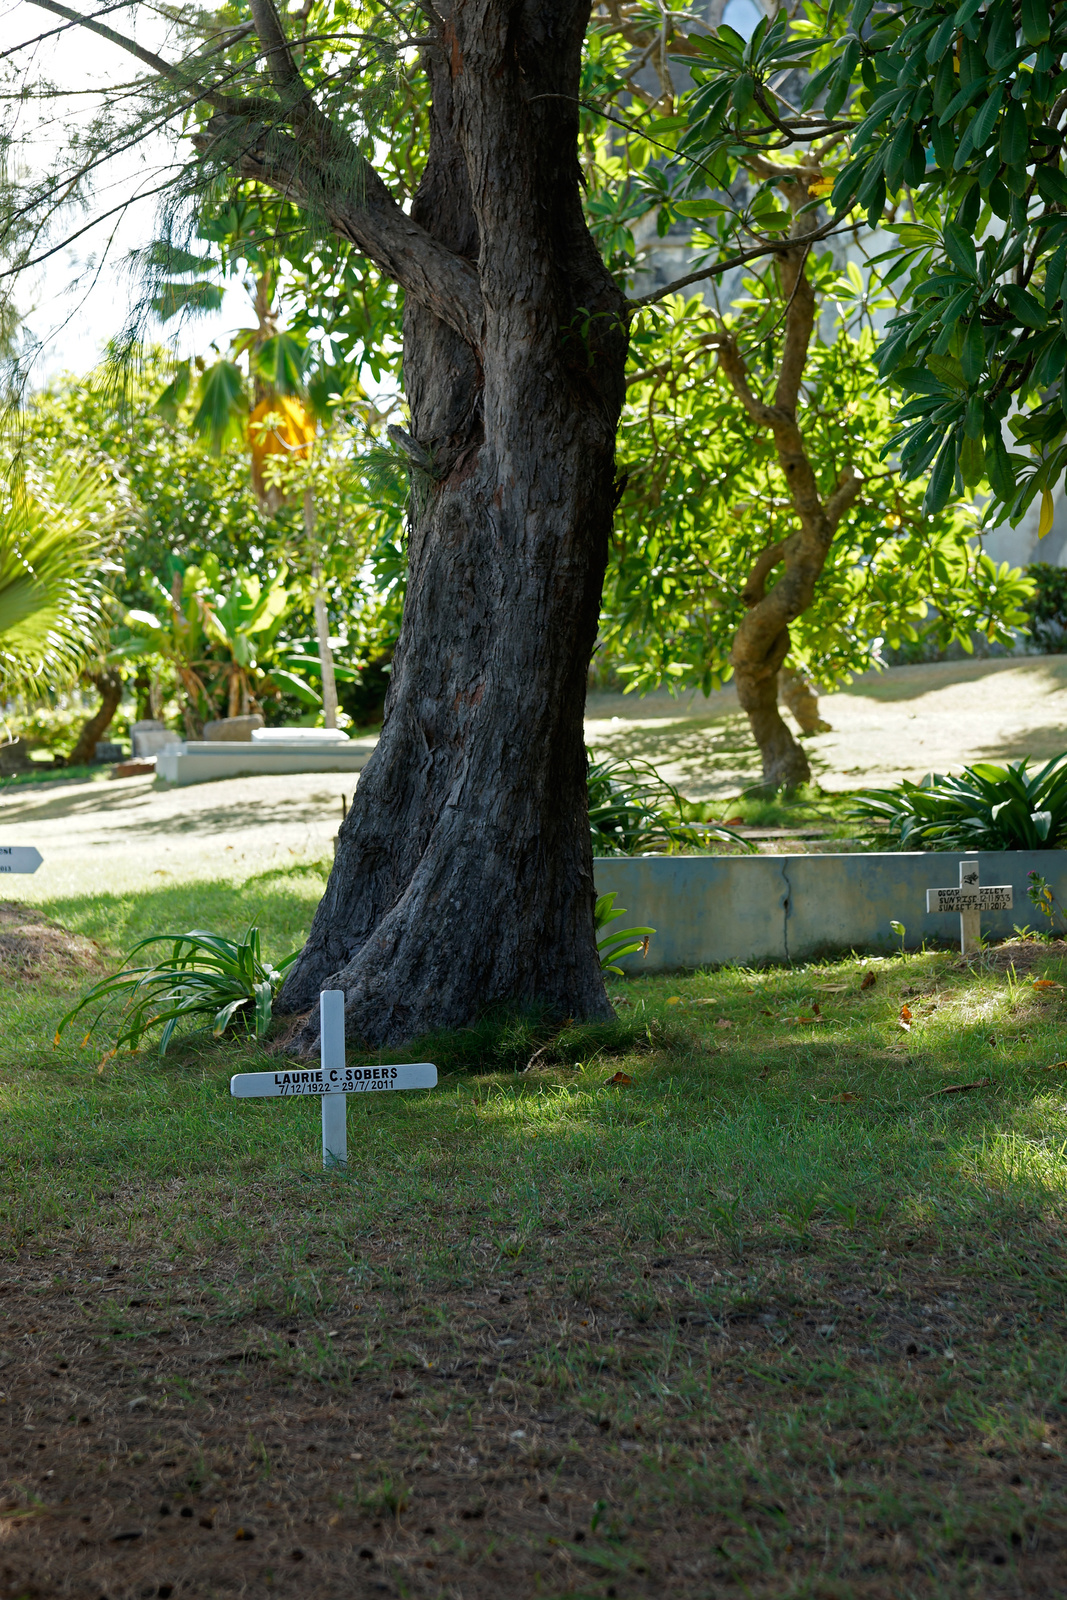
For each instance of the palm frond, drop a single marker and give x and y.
(54, 536)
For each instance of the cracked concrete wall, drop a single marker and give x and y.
(717, 910)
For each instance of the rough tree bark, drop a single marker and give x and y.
(109, 682)
(761, 643)
(463, 875)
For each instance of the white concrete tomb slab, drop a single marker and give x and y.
(199, 761)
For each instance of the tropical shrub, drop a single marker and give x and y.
(988, 807)
(634, 811)
(54, 533)
(219, 634)
(703, 503)
(204, 975)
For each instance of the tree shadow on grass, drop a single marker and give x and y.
(709, 753)
(668, 1143)
(281, 902)
(911, 683)
(141, 819)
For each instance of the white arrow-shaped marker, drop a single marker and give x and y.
(19, 858)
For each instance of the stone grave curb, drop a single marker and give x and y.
(711, 911)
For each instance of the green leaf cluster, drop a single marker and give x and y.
(204, 975)
(942, 122)
(704, 495)
(988, 807)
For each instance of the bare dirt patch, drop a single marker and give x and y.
(32, 947)
(1025, 955)
(694, 1432)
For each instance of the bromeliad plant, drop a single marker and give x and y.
(988, 807)
(204, 975)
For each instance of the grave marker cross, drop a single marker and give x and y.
(970, 900)
(332, 1079)
(19, 858)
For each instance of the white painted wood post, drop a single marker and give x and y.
(970, 900)
(970, 920)
(334, 1106)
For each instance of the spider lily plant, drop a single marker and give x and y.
(203, 975)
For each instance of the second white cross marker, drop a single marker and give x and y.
(970, 900)
(333, 1080)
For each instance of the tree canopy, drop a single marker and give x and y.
(705, 497)
(504, 167)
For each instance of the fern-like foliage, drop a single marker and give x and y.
(54, 537)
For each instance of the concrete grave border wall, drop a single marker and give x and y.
(716, 910)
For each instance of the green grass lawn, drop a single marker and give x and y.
(779, 1313)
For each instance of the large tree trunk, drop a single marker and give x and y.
(109, 683)
(463, 877)
(784, 764)
(758, 653)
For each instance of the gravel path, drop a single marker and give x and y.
(886, 726)
(119, 835)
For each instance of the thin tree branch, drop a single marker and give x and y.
(52, 33)
(35, 261)
(756, 582)
(799, 323)
(361, 211)
(827, 231)
(150, 59)
(164, 69)
(280, 64)
(848, 488)
(364, 211)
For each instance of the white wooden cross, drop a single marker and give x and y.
(332, 1079)
(970, 900)
(19, 858)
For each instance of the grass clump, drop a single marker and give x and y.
(205, 975)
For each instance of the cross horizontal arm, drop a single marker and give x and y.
(295, 1082)
(990, 897)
